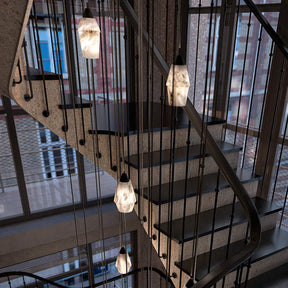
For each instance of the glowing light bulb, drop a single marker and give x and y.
(124, 196)
(123, 262)
(89, 34)
(178, 84)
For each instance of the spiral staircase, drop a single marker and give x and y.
(31, 88)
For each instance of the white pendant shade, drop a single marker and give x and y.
(123, 262)
(178, 85)
(124, 196)
(89, 34)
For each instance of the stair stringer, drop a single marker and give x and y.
(56, 119)
(14, 16)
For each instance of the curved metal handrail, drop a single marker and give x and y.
(47, 281)
(227, 171)
(159, 272)
(269, 29)
(31, 275)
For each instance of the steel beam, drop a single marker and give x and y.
(16, 155)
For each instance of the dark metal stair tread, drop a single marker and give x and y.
(132, 128)
(209, 185)
(222, 220)
(180, 154)
(275, 278)
(36, 75)
(77, 104)
(272, 241)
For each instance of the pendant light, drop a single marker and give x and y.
(123, 262)
(89, 34)
(124, 196)
(178, 83)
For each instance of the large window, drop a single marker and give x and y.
(70, 267)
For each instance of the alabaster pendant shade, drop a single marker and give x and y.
(178, 84)
(123, 262)
(124, 196)
(89, 34)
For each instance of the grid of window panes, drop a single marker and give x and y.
(70, 267)
(10, 203)
(248, 84)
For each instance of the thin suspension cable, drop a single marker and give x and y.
(148, 92)
(162, 99)
(82, 141)
(201, 165)
(151, 136)
(196, 54)
(66, 19)
(172, 148)
(97, 171)
(120, 82)
(107, 85)
(116, 71)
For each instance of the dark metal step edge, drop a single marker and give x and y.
(225, 150)
(36, 75)
(274, 234)
(251, 178)
(75, 105)
(275, 278)
(273, 209)
(134, 132)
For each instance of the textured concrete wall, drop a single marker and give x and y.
(13, 16)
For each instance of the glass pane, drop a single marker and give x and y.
(107, 183)
(65, 265)
(10, 203)
(198, 60)
(45, 166)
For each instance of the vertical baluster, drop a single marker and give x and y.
(9, 282)
(27, 97)
(283, 208)
(252, 92)
(185, 202)
(45, 112)
(231, 71)
(262, 108)
(24, 283)
(230, 233)
(279, 160)
(59, 66)
(247, 272)
(242, 76)
(213, 221)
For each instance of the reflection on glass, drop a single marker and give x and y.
(10, 203)
(92, 175)
(70, 267)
